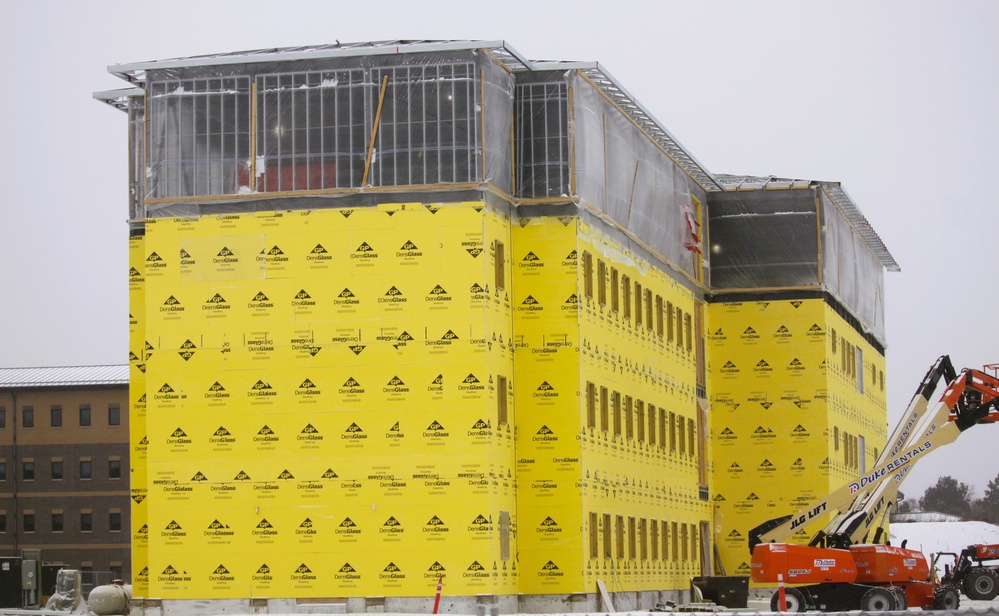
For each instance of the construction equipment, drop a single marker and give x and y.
(969, 572)
(848, 564)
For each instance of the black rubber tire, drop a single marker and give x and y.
(901, 601)
(946, 597)
(981, 584)
(878, 599)
(794, 601)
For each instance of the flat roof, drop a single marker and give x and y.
(63, 376)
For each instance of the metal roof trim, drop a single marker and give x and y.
(64, 376)
(839, 196)
(135, 71)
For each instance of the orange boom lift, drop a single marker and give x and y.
(848, 564)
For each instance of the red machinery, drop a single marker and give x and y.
(970, 572)
(845, 566)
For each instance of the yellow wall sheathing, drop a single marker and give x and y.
(137, 356)
(546, 336)
(354, 402)
(636, 478)
(322, 404)
(778, 402)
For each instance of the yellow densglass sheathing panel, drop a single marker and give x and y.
(774, 430)
(641, 503)
(546, 338)
(324, 396)
(137, 356)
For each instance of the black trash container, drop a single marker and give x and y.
(725, 590)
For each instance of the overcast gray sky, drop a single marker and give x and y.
(896, 100)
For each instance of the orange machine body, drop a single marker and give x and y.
(801, 564)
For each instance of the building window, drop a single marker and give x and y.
(616, 410)
(689, 331)
(608, 535)
(28, 471)
(626, 287)
(504, 528)
(652, 425)
(604, 411)
(85, 469)
(619, 528)
(55, 415)
(29, 522)
(601, 282)
(84, 415)
(114, 414)
(648, 311)
(3, 417)
(654, 540)
(638, 305)
(629, 418)
(116, 573)
(3, 523)
(501, 401)
(56, 470)
(859, 369)
(662, 428)
(643, 543)
(588, 275)
(86, 521)
(640, 408)
(114, 469)
(3, 471)
(27, 417)
(594, 536)
(57, 524)
(591, 405)
(114, 521)
(632, 535)
(615, 289)
(670, 317)
(500, 272)
(659, 316)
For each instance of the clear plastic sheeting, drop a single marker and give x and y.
(763, 239)
(67, 596)
(794, 236)
(621, 172)
(329, 125)
(851, 272)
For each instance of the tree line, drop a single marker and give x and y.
(951, 496)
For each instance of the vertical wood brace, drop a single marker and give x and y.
(374, 132)
(818, 236)
(253, 137)
(570, 116)
(482, 117)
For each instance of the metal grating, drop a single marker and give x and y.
(66, 376)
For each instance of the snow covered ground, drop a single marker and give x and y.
(934, 537)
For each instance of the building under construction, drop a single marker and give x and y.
(417, 311)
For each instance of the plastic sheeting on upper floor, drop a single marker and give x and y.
(797, 237)
(349, 125)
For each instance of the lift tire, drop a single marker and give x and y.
(878, 599)
(946, 597)
(794, 601)
(901, 600)
(981, 584)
